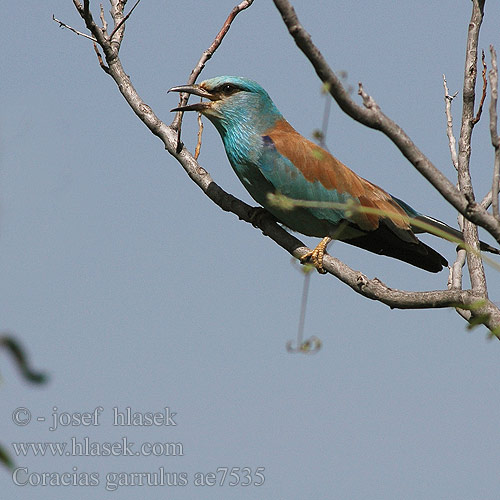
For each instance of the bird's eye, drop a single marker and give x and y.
(228, 89)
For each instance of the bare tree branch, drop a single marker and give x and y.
(99, 58)
(103, 19)
(495, 141)
(455, 279)
(99, 34)
(122, 21)
(64, 25)
(207, 54)
(481, 309)
(449, 123)
(475, 265)
(483, 94)
(200, 132)
(456, 274)
(374, 118)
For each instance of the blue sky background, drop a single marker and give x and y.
(130, 288)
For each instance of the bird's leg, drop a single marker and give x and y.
(316, 256)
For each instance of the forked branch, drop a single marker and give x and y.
(468, 300)
(373, 117)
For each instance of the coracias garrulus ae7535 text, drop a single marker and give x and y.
(269, 156)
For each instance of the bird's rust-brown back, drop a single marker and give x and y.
(317, 164)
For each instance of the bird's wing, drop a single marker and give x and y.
(302, 170)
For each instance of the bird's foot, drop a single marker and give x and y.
(315, 257)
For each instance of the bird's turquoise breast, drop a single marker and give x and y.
(244, 152)
(262, 174)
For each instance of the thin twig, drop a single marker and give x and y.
(99, 58)
(200, 132)
(455, 279)
(207, 54)
(320, 134)
(64, 25)
(483, 95)
(120, 24)
(455, 276)
(313, 344)
(368, 101)
(495, 141)
(103, 20)
(486, 201)
(449, 123)
(218, 40)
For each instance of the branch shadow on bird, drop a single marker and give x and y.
(352, 207)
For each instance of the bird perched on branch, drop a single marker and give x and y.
(269, 156)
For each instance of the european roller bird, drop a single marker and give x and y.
(269, 156)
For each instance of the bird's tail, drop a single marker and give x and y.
(447, 230)
(440, 226)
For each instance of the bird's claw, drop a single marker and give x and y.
(315, 257)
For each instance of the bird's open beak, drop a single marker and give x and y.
(194, 90)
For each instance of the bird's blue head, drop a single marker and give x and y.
(233, 103)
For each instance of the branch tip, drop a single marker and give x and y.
(79, 33)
